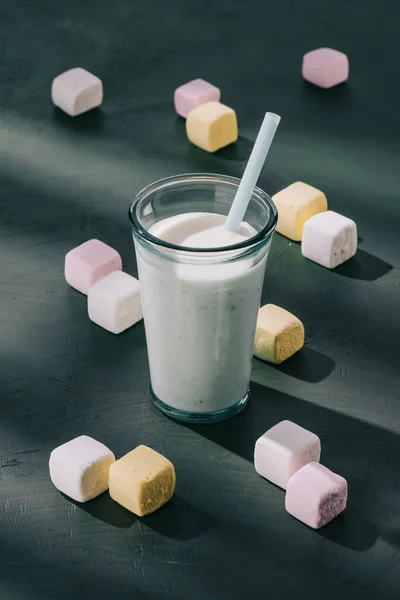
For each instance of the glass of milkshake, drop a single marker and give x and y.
(201, 288)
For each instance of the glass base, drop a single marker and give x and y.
(206, 417)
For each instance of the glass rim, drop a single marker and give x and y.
(174, 180)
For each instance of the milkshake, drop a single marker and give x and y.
(201, 289)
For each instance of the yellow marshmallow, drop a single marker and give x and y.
(212, 126)
(142, 480)
(296, 204)
(279, 334)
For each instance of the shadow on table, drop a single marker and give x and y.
(89, 122)
(348, 446)
(239, 151)
(351, 530)
(105, 509)
(393, 538)
(364, 266)
(307, 365)
(334, 97)
(178, 520)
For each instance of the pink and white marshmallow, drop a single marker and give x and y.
(193, 94)
(79, 468)
(76, 91)
(329, 239)
(315, 495)
(115, 302)
(325, 67)
(283, 450)
(89, 262)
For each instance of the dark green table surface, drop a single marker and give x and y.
(225, 534)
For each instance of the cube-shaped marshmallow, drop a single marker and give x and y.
(315, 495)
(329, 239)
(142, 480)
(325, 67)
(283, 450)
(279, 334)
(296, 204)
(212, 126)
(79, 468)
(89, 262)
(114, 302)
(76, 91)
(193, 94)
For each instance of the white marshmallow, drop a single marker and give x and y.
(114, 302)
(80, 468)
(76, 91)
(283, 450)
(329, 239)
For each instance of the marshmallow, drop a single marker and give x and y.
(212, 126)
(296, 204)
(329, 239)
(325, 67)
(279, 334)
(315, 495)
(142, 480)
(114, 302)
(89, 262)
(76, 91)
(193, 94)
(283, 450)
(80, 468)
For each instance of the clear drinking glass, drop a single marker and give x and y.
(200, 305)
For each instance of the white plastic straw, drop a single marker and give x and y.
(252, 171)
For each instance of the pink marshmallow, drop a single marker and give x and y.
(315, 495)
(325, 67)
(89, 262)
(193, 94)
